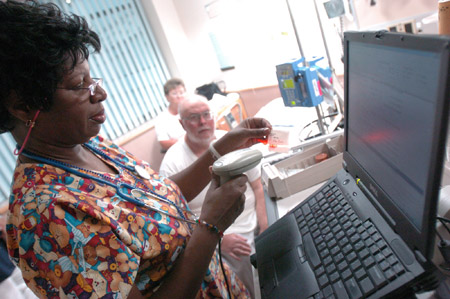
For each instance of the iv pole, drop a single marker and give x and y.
(319, 112)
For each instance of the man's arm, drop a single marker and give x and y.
(261, 212)
(247, 133)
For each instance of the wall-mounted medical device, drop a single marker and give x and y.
(300, 82)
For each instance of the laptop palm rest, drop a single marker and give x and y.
(277, 248)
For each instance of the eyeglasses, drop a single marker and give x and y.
(92, 88)
(177, 93)
(195, 117)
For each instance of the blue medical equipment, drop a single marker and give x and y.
(300, 82)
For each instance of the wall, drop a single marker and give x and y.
(254, 98)
(187, 57)
(258, 34)
(145, 147)
(386, 11)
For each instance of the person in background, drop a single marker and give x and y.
(167, 125)
(238, 241)
(86, 218)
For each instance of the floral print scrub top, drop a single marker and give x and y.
(75, 237)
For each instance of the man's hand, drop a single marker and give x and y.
(236, 246)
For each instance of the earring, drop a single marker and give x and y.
(30, 124)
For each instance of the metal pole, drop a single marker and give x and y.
(323, 35)
(295, 29)
(320, 121)
(319, 114)
(329, 58)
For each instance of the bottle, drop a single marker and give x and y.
(444, 16)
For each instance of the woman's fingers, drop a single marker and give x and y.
(224, 203)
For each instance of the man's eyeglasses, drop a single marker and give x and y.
(195, 117)
(92, 87)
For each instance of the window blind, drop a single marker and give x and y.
(7, 163)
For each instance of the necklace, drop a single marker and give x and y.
(137, 193)
(132, 170)
(136, 168)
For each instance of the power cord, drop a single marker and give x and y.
(444, 245)
(223, 268)
(313, 122)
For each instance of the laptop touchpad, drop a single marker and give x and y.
(281, 264)
(285, 265)
(289, 272)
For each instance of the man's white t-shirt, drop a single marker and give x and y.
(179, 156)
(167, 126)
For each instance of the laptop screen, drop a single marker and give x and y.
(394, 98)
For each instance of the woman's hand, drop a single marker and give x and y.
(246, 134)
(223, 204)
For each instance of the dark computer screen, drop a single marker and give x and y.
(392, 94)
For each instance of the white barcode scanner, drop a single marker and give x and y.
(236, 163)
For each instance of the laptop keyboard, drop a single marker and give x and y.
(349, 257)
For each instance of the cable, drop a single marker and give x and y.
(442, 219)
(444, 245)
(314, 121)
(440, 237)
(223, 269)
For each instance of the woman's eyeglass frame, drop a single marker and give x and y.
(92, 87)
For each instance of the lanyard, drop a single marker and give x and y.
(120, 186)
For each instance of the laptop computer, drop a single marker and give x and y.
(369, 231)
